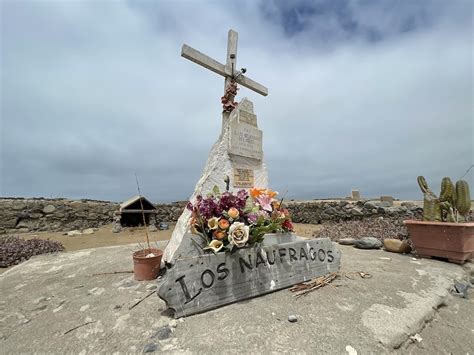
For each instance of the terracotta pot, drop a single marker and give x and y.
(453, 241)
(146, 268)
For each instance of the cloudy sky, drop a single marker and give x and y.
(362, 94)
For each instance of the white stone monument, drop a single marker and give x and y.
(238, 152)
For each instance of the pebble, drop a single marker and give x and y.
(149, 348)
(163, 333)
(88, 231)
(151, 287)
(292, 318)
(73, 233)
(346, 241)
(368, 243)
(173, 323)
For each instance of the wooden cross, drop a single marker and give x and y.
(228, 71)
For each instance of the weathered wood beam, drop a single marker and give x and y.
(252, 85)
(203, 60)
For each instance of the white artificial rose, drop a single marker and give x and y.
(238, 234)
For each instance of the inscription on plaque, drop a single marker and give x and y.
(243, 177)
(196, 284)
(246, 141)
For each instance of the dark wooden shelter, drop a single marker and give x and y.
(131, 212)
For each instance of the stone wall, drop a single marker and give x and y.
(38, 214)
(322, 211)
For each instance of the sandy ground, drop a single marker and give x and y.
(103, 237)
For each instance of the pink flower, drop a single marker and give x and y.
(265, 202)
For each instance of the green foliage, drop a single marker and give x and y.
(431, 205)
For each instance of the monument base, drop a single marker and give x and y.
(198, 282)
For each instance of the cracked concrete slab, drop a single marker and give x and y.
(53, 303)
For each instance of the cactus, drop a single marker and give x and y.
(452, 202)
(431, 205)
(463, 202)
(448, 192)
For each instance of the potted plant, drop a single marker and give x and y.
(446, 230)
(146, 261)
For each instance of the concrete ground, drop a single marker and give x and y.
(55, 304)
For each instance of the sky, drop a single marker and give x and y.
(363, 95)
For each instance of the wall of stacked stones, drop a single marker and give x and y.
(36, 215)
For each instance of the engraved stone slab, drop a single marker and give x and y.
(246, 141)
(247, 117)
(243, 178)
(200, 283)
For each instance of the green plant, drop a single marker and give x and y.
(453, 204)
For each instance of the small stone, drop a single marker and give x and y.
(357, 212)
(151, 287)
(396, 245)
(292, 318)
(368, 243)
(88, 231)
(49, 209)
(117, 228)
(163, 226)
(163, 333)
(369, 205)
(461, 288)
(381, 210)
(73, 233)
(346, 241)
(149, 348)
(117, 306)
(173, 323)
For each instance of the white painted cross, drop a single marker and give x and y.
(228, 70)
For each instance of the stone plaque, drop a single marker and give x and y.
(200, 283)
(246, 141)
(247, 117)
(243, 177)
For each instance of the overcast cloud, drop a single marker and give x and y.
(362, 94)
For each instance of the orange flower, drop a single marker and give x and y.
(271, 193)
(233, 212)
(219, 235)
(224, 223)
(255, 192)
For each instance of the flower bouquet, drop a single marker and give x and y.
(230, 221)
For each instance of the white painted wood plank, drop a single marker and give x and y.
(200, 283)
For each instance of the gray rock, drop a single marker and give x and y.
(461, 288)
(163, 333)
(383, 204)
(152, 228)
(150, 347)
(292, 318)
(346, 241)
(73, 233)
(368, 243)
(381, 210)
(88, 231)
(163, 226)
(49, 209)
(357, 212)
(369, 205)
(173, 323)
(117, 228)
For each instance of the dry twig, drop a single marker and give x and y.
(81, 325)
(140, 301)
(304, 288)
